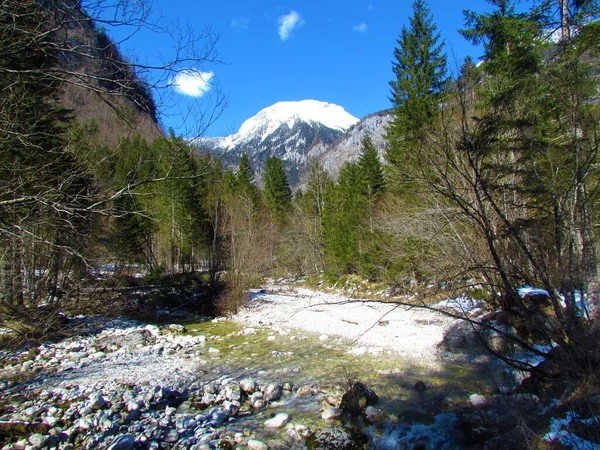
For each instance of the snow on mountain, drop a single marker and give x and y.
(287, 130)
(269, 120)
(298, 133)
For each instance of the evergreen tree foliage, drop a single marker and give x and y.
(371, 169)
(244, 180)
(419, 68)
(278, 194)
(345, 209)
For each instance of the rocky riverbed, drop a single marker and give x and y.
(274, 377)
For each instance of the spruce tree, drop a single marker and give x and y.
(371, 169)
(420, 77)
(244, 181)
(278, 194)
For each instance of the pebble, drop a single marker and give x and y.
(331, 413)
(477, 400)
(248, 385)
(254, 444)
(278, 421)
(125, 442)
(121, 412)
(273, 392)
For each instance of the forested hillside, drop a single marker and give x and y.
(88, 180)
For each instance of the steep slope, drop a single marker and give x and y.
(348, 146)
(288, 130)
(100, 86)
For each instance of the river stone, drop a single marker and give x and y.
(231, 408)
(279, 421)
(208, 399)
(132, 340)
(33, 412)
(217, 417)
(256, 400)
(273, 392)
(248, 385)
(210, 388)
(38, 440)
(171, 435)
(97, 401)
(331, 413)
(254, 444)
(375, 415)
(232, 392)
(125, 442)
(338, 438)
(477, 400)
(132, 405)
(306, 391)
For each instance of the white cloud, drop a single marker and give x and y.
(370, 7)
(192, 82)
(361, 27)
(288, 23)
(240, 22)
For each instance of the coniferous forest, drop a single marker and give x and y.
(490, 182)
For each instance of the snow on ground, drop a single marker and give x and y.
(412, 333)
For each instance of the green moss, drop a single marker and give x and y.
(302, 359)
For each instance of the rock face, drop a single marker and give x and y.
(349, 145)
(357, 399)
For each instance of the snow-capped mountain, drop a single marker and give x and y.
(298, 133)
(287, 130)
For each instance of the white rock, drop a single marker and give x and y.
(374, 415)
(97, 401)
(254, 444)
(214, 351)
(248, 385)
(279, 421)
(273, 392)
(477, 400)
(331, 413)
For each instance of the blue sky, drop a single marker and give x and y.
(334, 51)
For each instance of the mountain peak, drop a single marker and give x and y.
(269, 119)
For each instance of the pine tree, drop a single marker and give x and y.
(345, 210)
(371, 169)
(278, 194)
(244, 180)
(420, 78)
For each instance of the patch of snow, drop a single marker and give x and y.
(529, 291)
(462, 304)
(559, 433)
(580, 300)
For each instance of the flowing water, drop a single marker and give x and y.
(301, 358)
